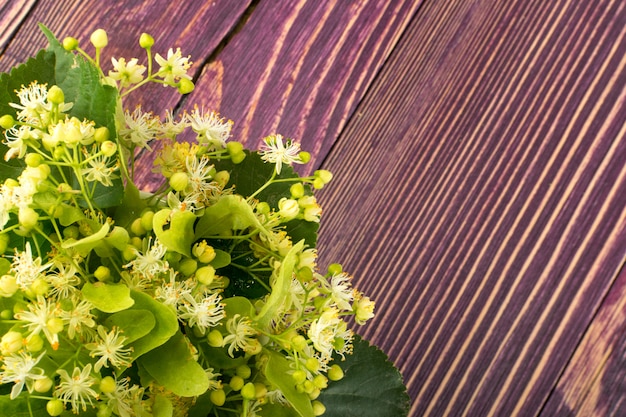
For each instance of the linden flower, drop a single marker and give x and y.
(127, 73)
(205, 313)
(201, 175)
(79, 319)
(150, 263)
(212, 130)
(26, 268)
(17, 139)
(110, 348)
(100, 171)
(124, 400)
(140, 128)
(76, 389)
(42, 316)
(174, 67)
(239, 332)
(20, 369)
(276, 152)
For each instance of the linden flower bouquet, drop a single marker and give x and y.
(202, 298)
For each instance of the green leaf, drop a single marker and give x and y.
(231, 212)
(109, 298)
(173, 366)
(19, 406)
(221, 259)
(277, 372)
(238, 305)
(86, 244)
(165, 327)
(175, 230)
(134, 323)
(280, 288)
(371, 387)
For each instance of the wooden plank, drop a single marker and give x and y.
(197, 27)
(480, 197)
(12, 14)
(299, 68)
(594, 383)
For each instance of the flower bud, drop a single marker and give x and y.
(11, 342)
(243, 371)
(28, 218)
(335, 269)
(146, 41)
(99, 38)
(33, 159)
(234, 147)
(324, 175)
(263, 207)
(222, 178)
(185, 86)
(304, 156)
(34, 343)
(288, 208)
(218, 397)
(237, 383)
(108, 148)
(335, 373)
(147, 220)
(55, 325)
(318, 183)
(179, 181)
(238, 158)
(55, 95)
(297, 190)
(69, 43)
(43, 385)
(299, 376)
(107, 384)
(205, 275)
(318, 408)
(7, 121)
(101, 134)
(248, 391)
(203, 252)
(187, 266)
(136, 228)
(40, 286)
(215, 338)
(320, 381)
(55, 407)
(102, 273)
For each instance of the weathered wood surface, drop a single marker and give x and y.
(480, 191)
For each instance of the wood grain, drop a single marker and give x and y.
(594, 381)
(487, 166)
(197, 27)
(12, 13)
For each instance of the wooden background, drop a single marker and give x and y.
(478, 148)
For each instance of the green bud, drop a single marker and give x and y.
(146, 41)
(55, 95)
(335, 269)
(218, 397)
(69, 43)
(304, 156)
(101, 134)
(43, 385)
(136, 228)
(7, 121)
(188, 266)
(312, 364)
(107, 384)
(179, 181)
(28, 218)
(99, 38)
(320, 381)
(54, 407)
(215, 338)
(263, 207)
(205, 275)
(299, 376)
(34, 343)
(185, 86)
(297, 190)
(129, 253)
(11, 342)
(248, 391)
(6, 314)
(136, 242)
(108, 148)
(318, 408)
(243, 371)
(40, 286)
(237, 383)
(8, 286)
(318, 183)
(238, 158)
(104, 411)
(102, 273)
(234, 148)
(260, 390)
(71, 232)
(324, 175)
(33, 159)
(146, 220)
(222, 178)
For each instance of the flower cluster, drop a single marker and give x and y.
(201, 298)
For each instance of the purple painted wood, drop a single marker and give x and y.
(480, 196)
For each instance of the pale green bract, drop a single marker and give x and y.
(200, 298)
